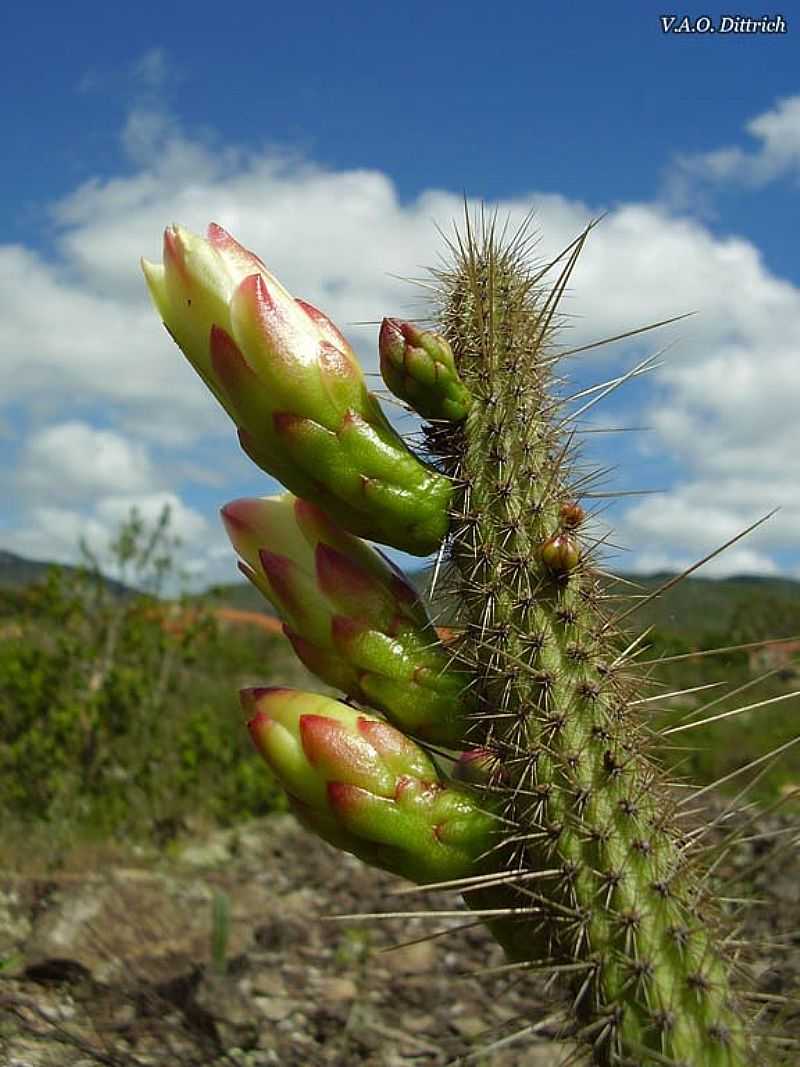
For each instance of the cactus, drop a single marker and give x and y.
(588, 872)
(624, 900)
(291, 383)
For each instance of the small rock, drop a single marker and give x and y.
(214, 853)
(469, 1026)
(267, 984)
(420, 1024)
(274, 1008)
(338, 989)
(124, 1014)
(411, 959)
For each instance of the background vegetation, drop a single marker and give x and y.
(119, 714)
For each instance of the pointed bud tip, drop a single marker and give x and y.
(391, 343)
(338, 574)
(226, 357)
(232, 516)
(258, 694)
(390, 327)
(276, 567)
(217, 234)
(410, 332)
(325, 739)
(326, 325)
(255, 291)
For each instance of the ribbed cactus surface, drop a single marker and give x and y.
(623, 907)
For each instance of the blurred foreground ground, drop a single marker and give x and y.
(107, 960)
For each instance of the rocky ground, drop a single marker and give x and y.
(113, 964)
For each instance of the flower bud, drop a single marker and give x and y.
(294, 388)
(560, 553)
(365, 787)
(418, 367)
(351, 615)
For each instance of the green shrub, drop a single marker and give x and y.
(118, 709)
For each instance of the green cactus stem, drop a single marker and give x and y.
(626, 910)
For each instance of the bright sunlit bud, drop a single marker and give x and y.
(293, 386)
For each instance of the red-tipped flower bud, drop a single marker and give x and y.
(367, 788)
(353, 618)
(418, 367)
(294, 388)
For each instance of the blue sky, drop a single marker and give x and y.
(331, 140)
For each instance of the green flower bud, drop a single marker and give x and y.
(294, 388)
(367, 788)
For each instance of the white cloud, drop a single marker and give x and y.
(674, 530)
(185, 523)
(52, 532)
(775, 156)
(73, 459)
(78, 334)
(737, 561)
(152, 68)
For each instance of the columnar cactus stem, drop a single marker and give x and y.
(625, 897)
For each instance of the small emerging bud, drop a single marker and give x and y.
(572, 515)
(560, 553)
(418, 367)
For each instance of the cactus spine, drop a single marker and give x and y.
(623, 909)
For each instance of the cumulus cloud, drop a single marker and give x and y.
(82, 345)
(53, 532)
(776, 155)
(70, 460)
(676, 529)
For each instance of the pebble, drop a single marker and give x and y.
(274, 1008)
(338, 989)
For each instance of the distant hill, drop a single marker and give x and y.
(17, 572)
(691, 609)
